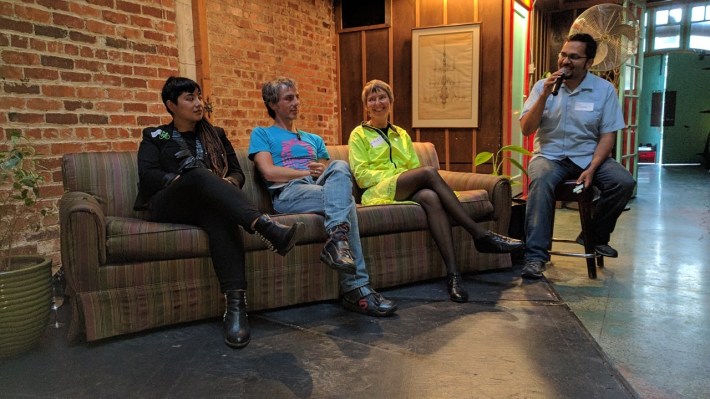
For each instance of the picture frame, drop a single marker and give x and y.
(445, 76)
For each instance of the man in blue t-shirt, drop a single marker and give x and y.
(296, 170)
(576, 131)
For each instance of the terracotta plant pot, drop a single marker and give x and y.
(25, 301)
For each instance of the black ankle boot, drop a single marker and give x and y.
(457, 292)
(278, 237)
(236, 322)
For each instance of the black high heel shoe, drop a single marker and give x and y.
(497, 244)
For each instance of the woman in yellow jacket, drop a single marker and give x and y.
(384, 164)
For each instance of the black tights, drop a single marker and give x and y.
(425, 186)
(203, 199)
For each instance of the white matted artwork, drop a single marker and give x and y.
(445, 75)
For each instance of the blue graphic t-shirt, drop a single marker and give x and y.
(287, 149)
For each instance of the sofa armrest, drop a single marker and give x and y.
(82, 225)
(498, 188)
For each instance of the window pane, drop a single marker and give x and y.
(697, 14)
(676, 15)
(645, 23)
(700, 35)
(707, 13)
(630, 78)
(667, 37)
(662, 17)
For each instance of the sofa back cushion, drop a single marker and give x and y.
(110, 177)
(253, 184)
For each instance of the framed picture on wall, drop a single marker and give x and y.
(445, 76)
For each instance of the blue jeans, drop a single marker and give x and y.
(613, 180)
(331, 196)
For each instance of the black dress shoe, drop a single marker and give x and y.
(336, 252)
(533, 269)
(367, 301)
(606, 250)
(497, 244)
(457, 292)
(278, 237)
(601, 249)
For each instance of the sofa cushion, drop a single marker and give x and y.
(129, 239)
(387, 219)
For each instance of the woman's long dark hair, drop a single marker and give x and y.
(216, 154)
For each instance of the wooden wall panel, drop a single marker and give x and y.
(438, 138)
(461, 143)
(377, 61)
(490, 130)
(431, 13)
(460, 12)
(403, 20)
(351, 73)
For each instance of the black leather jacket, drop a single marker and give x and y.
(158, 166)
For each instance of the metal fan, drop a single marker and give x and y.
(615, 30)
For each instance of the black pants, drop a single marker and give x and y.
(203, 199)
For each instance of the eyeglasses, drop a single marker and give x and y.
(572, 57)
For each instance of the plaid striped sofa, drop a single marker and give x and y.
(126, 274)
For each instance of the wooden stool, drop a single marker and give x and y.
(563, 192)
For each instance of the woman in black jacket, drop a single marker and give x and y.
(189, 173)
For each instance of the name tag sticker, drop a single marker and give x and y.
(580, 106)
(377, 142)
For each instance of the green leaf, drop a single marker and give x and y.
(518, 165)
(482, 157)
(515, 148)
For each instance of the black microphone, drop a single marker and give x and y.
(558, 81)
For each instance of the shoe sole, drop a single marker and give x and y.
(291, 240)
(236, 345)
(581, 242)
(531, 276)
(325, 258)
(500, 250)
(357, 309)
(606, 255)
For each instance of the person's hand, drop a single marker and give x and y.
(552, 78)
(586, 178)
(316, 169)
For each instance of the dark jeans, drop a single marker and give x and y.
(201, 198)
(615, 183)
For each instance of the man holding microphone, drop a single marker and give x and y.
(576, 115)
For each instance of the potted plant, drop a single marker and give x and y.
(25, 280)
(499, 157)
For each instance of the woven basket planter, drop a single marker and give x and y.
(25, 301)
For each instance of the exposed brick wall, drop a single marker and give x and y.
(80, 76)
(253, 41)
(86, 75)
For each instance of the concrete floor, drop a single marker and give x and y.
(639, 330)
(649, 310)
